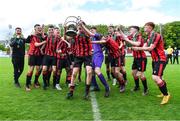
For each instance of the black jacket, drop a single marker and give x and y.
(18, 47)
(175, 52)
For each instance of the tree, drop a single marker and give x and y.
(171, 34)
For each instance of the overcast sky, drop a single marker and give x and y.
(26, 13)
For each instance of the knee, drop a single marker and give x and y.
(44, 68)
(112, 71)
(142, 76)
(133, 74)
(156, 78)
(117, 71)
(97, 71)
(89, 71)
(74, 73)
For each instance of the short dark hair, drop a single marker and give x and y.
(93, 28)
(36, 25)
(135, 27)
(150, 24)
(111, 26)
(56, 28)
(50, 26)
(18, 28)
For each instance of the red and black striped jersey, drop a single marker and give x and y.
(112, 47)
(51, 43)
(33, 50)
(138, 38)
(63, 46)
(157, 53)
(71, 49)
(120, 41)
(83, 46)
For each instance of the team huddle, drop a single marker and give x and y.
(50, 53)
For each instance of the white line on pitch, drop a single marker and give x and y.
(95, 108)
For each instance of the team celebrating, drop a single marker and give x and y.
(51, 53)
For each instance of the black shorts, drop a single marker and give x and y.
(115, 62)
(71, 58)
(49, 60)
(139, 64)
(35, 60)
(78, 61)
(107, 59)
(122, 59)
(158, 67)
(63, 63)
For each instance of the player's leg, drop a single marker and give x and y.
(68, 75)
(77, 64)
(31, 63)
(123, 70)
(113, 74)
(94, 84)
(79, 75)
(88, 65)
(157, 77)
(49, 72)
(120, 79)
(141, 69)
(45, 74)
(103, 80)
(54, 76)
(58, 78)
(136, 80)
(45, 71)
(54, 68)
(38, 71)
(108, 70)
(116, 65)
(134, 74)
(144, 82)
(88, 80)
(72, 84)
(37, 74)
(28, 78)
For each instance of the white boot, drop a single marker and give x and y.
(114, 82)
(58, 87)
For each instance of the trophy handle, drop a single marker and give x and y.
(76, 22)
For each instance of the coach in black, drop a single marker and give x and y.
(17, 44)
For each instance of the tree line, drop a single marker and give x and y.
(169, 31)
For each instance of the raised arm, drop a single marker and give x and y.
(98, 42)
(129, 41)
(13, 42)
(86, 29)
(63, 39)
(132, 42)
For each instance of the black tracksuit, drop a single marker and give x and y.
(175, 56)
(18, 52)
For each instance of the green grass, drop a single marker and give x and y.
(16, 104)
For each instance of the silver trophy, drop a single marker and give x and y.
(70, 25)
